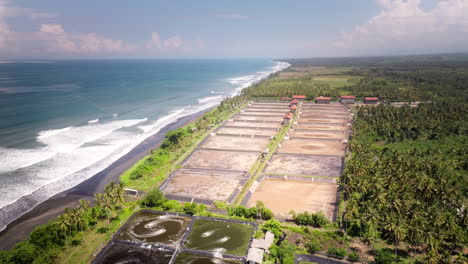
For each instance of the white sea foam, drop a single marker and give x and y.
(245, 81)
(209, 98)
(48, 133)
(93, 121)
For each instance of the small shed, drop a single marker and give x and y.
(299, 97)
(322, 100)
(371, 100)
(285, 99)
(347, 99)
(293, 108)
(287, 118)
(294, 102)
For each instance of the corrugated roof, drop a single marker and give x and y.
(323, 98)
(255, 255)
(348, 97)
(299, 96)
(371, 98)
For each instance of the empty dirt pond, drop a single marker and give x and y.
(305, 165)
(312, 147)
(237, 123)
(242, 131)
(218, 159)
(236, 143)
(202, 184)
(282, 196)
(258, 118)
(323, 120)
(339, 127)
(338, 135)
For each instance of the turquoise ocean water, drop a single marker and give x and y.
(61, 122)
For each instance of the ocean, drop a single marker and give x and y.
(61, 122)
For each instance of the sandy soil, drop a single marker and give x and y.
(323, 107)
(203, 185)
(263, 114)
(327, 111)
(283, 196)
(268, 106)
(340, 127)
(225, 160)
(312, 147)
(239, 143)
(305, 165)
(319, 134)
(237, 131)
(236, 123)
(273, 110)
(259, 118)
(325, 115)
(323, 120)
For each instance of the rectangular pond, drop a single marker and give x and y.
(154, 227)
(220, 237)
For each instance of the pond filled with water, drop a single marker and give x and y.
(220, 237)
(120, 254)
(152, 227)
(184, 258)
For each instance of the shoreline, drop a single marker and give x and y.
(20, 228)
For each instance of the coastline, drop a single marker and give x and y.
(21, 227)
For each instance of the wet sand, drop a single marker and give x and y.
(18, 230)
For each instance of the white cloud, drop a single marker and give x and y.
(402, 26)
(51, 38)
(230, 16)
(56, 39)
(173, 42)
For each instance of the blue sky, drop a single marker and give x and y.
(226, 29)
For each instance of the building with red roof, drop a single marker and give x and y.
(299, 97)
(371, 100)
(287, 118)
(294, 102)
(347, 99)
(322, 100)
(293, 108)
(285, 99)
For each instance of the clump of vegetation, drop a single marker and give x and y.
(313, 247)
(153, 199)
(282, 253)
(257, 212)
(311, 219)
(336, 252)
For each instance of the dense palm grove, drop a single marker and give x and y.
(407, 180)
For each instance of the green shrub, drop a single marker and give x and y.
(190, 208)
(337, 252)
(274, 226)
(306, 218)
(171, 205)
(353, 257)
(313, 246)
(385, 256)
(153, 198)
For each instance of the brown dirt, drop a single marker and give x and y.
(225, 160)
(323, 120)
(203, 185)
(312, 147)
(258, 118)
(339, 127)
(236, 143)
(327, 111)
(305, 165)
(263, 114)
(318, 134)
(237, 131)
(283, 196)
(329, 116)
(273, 110)
(237, 123)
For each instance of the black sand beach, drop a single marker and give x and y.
(54, 206)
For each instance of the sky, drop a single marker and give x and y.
(58, 29)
